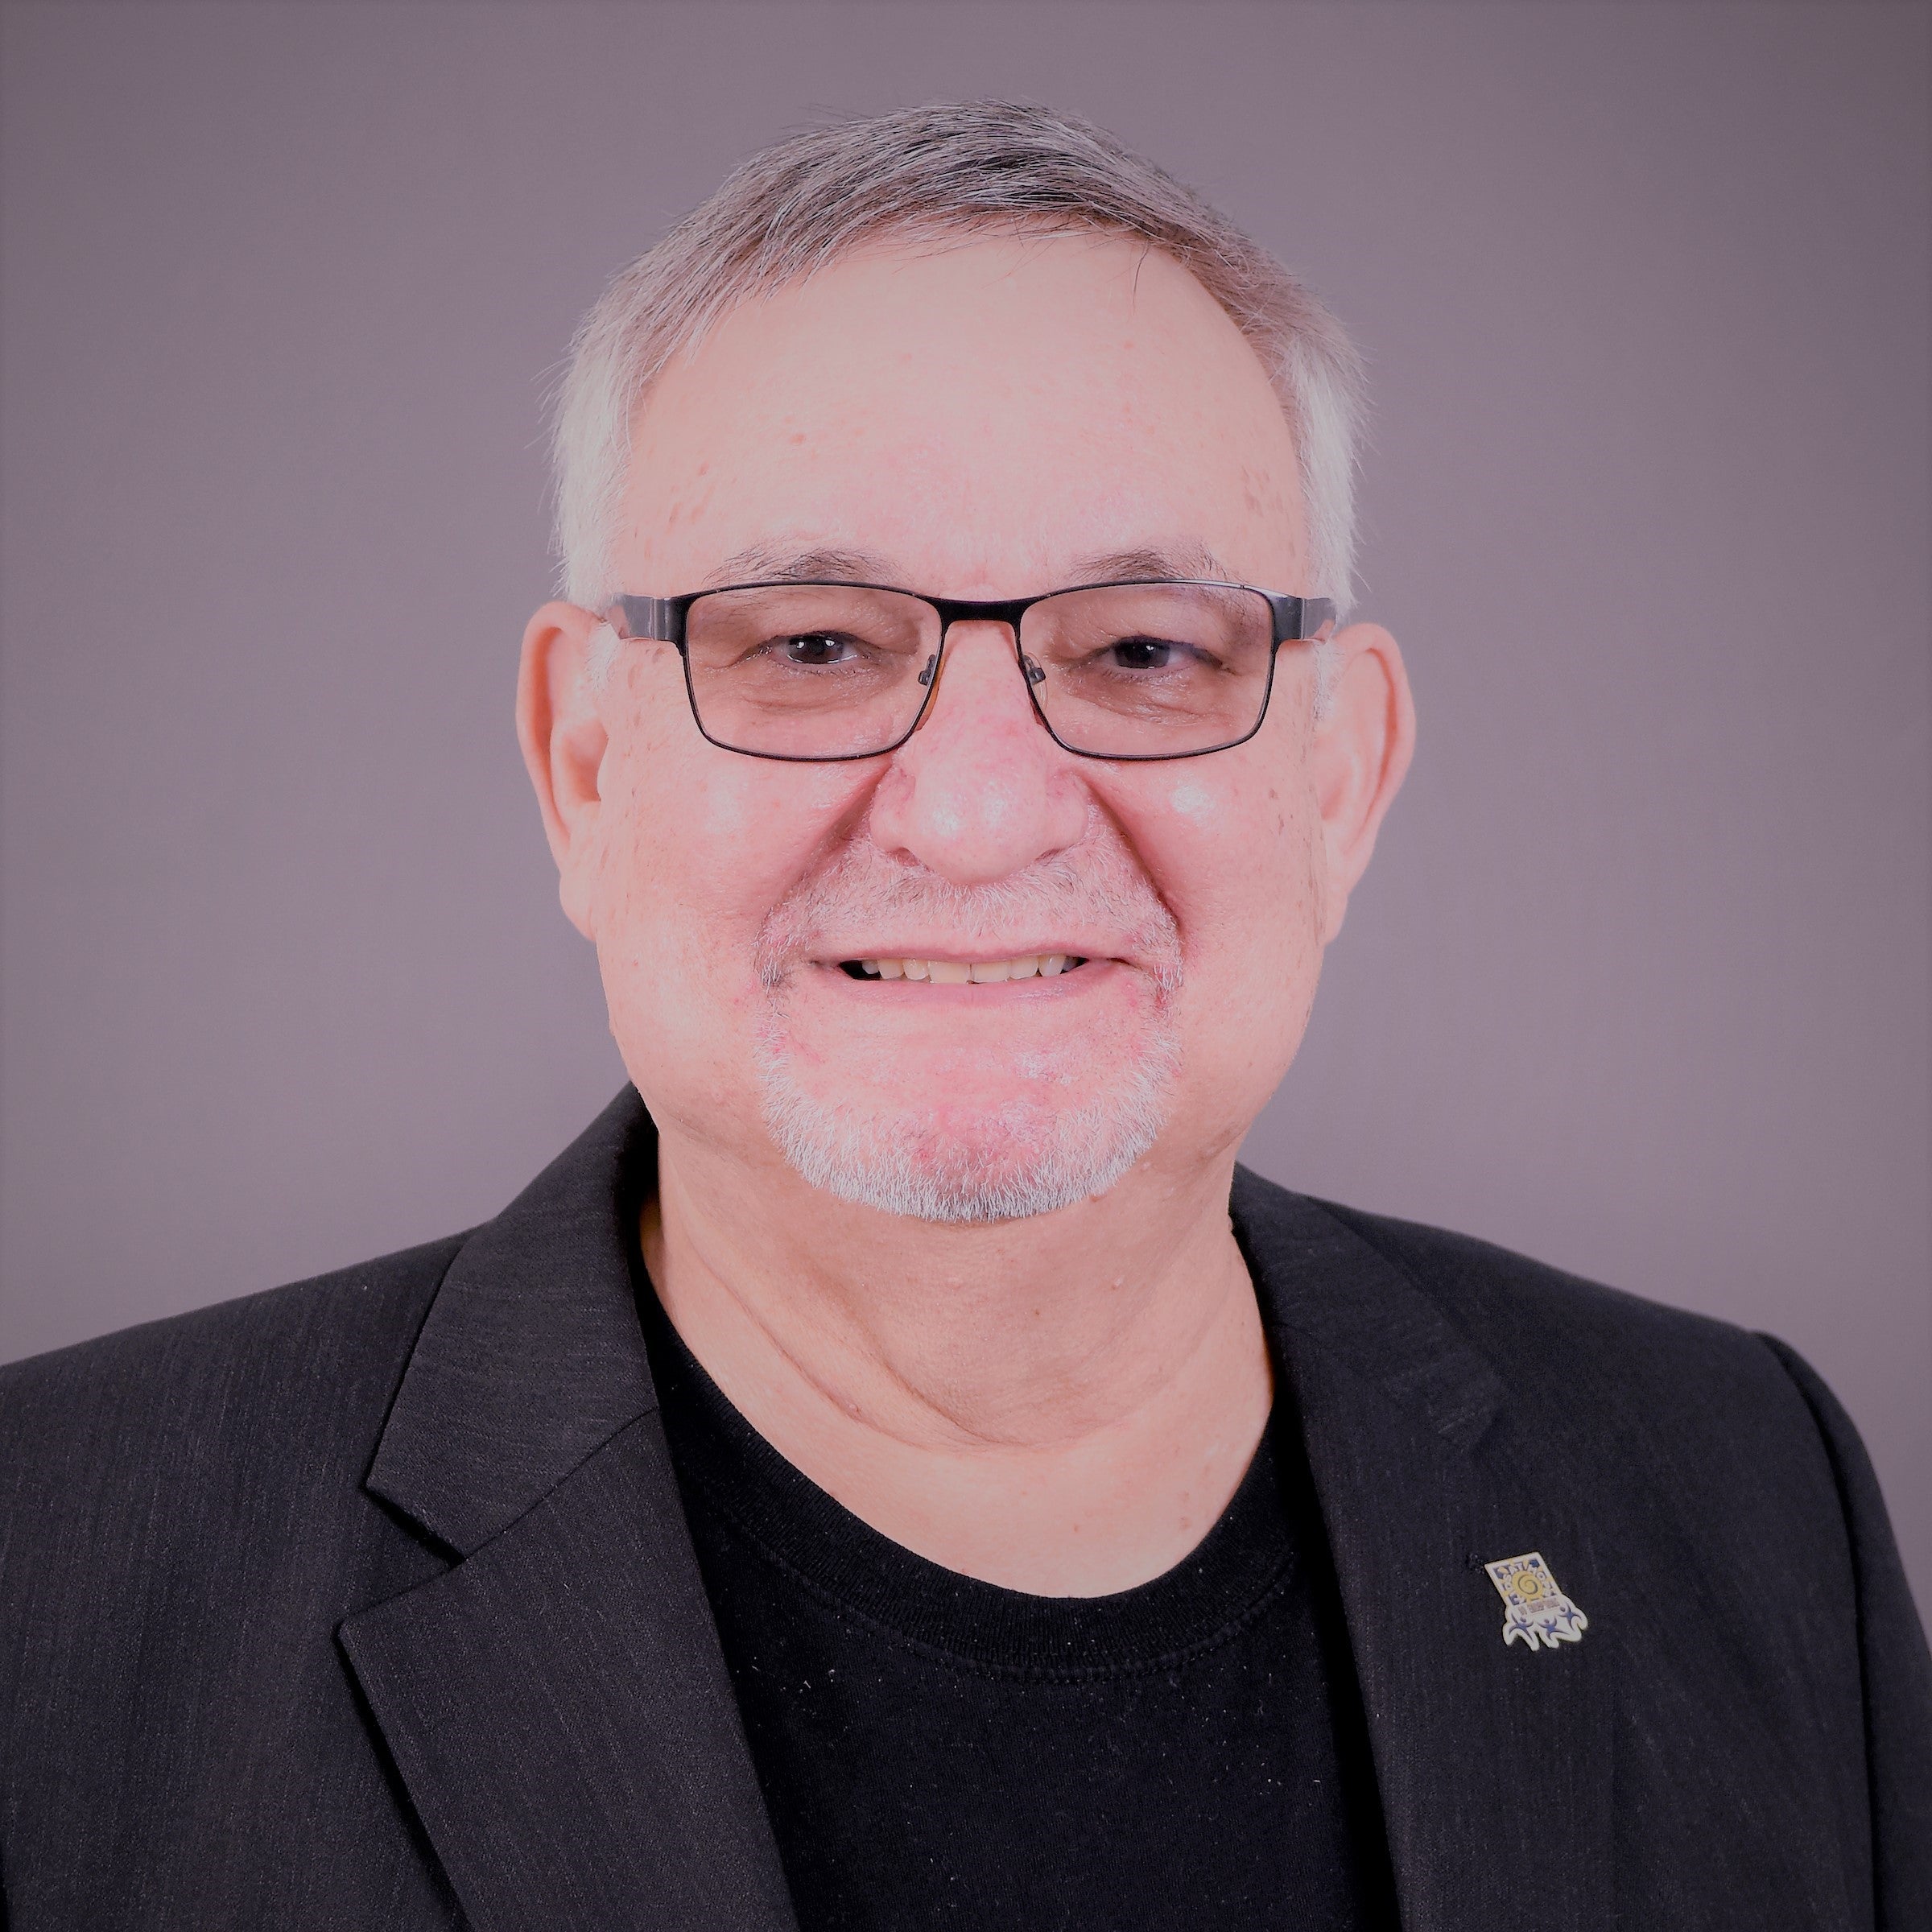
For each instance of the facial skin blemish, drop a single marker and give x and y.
(1193, 800)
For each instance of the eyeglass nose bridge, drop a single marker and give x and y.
(1006, 612)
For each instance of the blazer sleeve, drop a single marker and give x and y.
(1896, 1667)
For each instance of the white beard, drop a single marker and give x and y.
(903, 1163)
(1044, 1151)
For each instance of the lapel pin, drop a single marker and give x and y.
(1534, 1607)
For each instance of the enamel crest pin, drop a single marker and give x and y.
(1534, 1608)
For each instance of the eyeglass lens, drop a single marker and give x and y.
(816, 670)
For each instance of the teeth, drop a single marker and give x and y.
(960, 972)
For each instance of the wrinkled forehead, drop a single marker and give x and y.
(989, 417)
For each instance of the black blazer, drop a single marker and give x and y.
(369, 1602)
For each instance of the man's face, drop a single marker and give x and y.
(1005, 417)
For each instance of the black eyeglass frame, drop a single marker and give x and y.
(664, 621)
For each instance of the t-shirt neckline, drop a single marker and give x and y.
(725, 1466)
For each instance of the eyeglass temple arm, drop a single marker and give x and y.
(1298, 620)
(658, 618)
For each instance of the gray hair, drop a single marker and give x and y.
(926, 175)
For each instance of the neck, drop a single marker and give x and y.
(1062, 1405)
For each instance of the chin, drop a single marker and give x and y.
(965, 1161)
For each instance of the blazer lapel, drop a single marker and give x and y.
(1493, 1761)
(556, 1702)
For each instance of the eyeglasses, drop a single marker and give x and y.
(821, 671)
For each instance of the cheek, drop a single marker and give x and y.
(1233, 852)
(695, 847)
(677, 912)
(672, 804)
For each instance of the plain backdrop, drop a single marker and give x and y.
(1639, 982)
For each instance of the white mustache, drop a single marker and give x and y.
(1095, 886)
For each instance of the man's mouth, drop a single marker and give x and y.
(961, 972)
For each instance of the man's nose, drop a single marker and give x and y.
(980, 789)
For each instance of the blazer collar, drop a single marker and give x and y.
(1319, 1280)
(531, 1357)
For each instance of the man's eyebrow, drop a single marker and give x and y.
(1185, 559)
(788, 564)
(791, 563)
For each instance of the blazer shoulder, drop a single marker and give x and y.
(314, 1361)
(1489, 1285)
(1570, 1347)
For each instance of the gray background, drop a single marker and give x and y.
(1639, 981)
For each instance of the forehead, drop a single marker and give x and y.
(979, 416)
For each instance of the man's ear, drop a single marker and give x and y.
(561, 729)
(1363, 742)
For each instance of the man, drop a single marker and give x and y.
(895, 1469)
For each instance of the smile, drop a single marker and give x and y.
(960, 973)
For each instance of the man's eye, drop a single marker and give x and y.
(815, 647)
(1142, 654)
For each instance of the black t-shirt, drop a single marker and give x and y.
(936, 1750)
